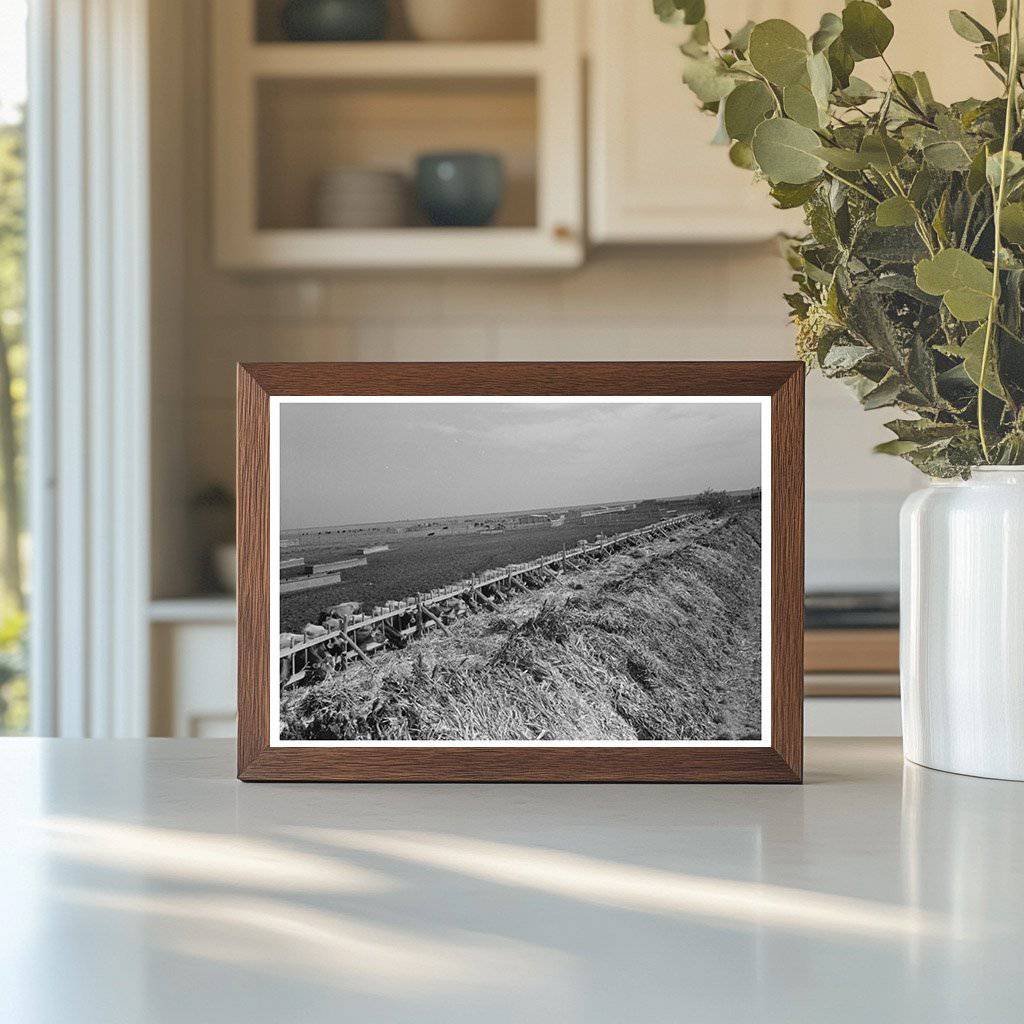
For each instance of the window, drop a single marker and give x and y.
(14, 548)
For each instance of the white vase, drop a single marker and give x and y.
(962, 624)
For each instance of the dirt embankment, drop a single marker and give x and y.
(662, 643)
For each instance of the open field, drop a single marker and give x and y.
(421, 563)
(662, 642)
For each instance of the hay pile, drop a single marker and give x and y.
(658, 644)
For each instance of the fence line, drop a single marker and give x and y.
(346, 636)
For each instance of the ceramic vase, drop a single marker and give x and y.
(962, 624)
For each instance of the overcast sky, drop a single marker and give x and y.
(372, 462)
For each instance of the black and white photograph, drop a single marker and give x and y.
(520, 570)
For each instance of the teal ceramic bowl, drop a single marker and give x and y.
(460, 189)
(334, 21)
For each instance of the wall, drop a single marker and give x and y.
(651, 303)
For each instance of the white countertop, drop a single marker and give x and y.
(140, 882)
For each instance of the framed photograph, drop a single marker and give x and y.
(563, 572)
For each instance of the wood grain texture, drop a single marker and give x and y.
(252, 483)
(787, 568)
(852, 650)
(780, 762)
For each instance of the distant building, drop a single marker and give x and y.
(589, 513)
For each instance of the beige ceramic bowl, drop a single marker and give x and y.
(357, 197)
(471, 20)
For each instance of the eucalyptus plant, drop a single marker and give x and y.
(910, 277)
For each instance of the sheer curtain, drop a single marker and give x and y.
(88, 334)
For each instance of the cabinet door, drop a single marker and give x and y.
(654, 176)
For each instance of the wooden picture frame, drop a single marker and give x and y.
(777, 759)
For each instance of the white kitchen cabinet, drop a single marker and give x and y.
(285, 114)
(193, 667)
(654, 177)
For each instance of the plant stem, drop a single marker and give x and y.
(980, 232)
(1011, 109)
(907, 99)
(1012, 334)
(853, 185)
(775, 98)
(894, 183)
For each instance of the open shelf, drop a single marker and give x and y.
(406, 248)
(308, 127)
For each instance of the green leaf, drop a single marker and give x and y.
(866, 29)
(666, 10)
(841, 63)
(741, 155)
(829, 30)
(921, 370)
(701, 34)
(801, 106)
(840, 359)
(822, 222)
(993, 167)
(819, 74)
(693, 11)
(721, 136)
(905, 84)
(707, 78)
(997, 53)
(922, 185)
(885, 394)
(923, 431)
(969, 28)
(745, 108)
(939, 220)
(779, 51)
(895, 447)
(857, 91)
(788, 197)
(898, 283)
(739, 41)
(883, 152)
(787, 151)
(895, 212)
(869, 320)
(999, 9)
(963, 281)
(971, 351)
(1012, 224)
(976, 173)
(689, 12)
(924, 88)
(890, 245)
(947, 156)
(844, 159)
